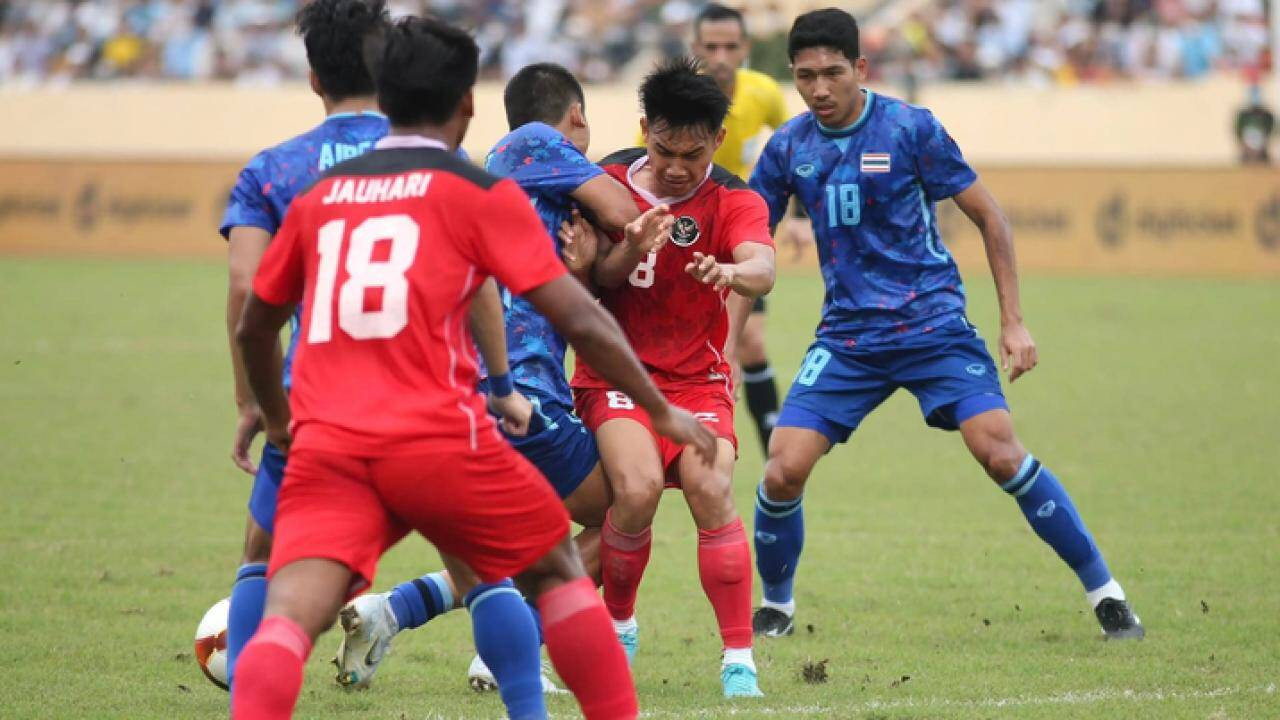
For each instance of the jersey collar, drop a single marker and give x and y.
(857, 124)
(396, 142)
(652, 199)
(362, 113)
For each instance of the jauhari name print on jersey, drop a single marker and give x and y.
(376, 190)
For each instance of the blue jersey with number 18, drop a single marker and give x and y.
(870, 191)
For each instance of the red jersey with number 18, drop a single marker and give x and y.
(385, 253)
(677, 325)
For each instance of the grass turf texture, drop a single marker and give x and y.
(921, 586)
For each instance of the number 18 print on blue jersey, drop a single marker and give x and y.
(870, 189)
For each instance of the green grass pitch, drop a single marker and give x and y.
(921, 588)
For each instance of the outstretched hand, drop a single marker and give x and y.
(650, 231)
(709, 271)
(578, 242)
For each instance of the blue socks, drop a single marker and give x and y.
(507, 639)
(1050, 512)
(417, 601)
(248, 598)
(779, 539)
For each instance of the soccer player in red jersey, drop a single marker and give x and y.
(384, 429)
(671, 298)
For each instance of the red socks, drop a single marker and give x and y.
(269, 671)
(724, 566)
(623, 558)
(585, 652)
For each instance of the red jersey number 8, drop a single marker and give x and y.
(644, 274)
(364, 273)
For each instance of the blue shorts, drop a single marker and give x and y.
(952, 376)
(266, 486)
(558, 444)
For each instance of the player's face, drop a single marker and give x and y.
(829, 83)
(679, 157)
(721, 45)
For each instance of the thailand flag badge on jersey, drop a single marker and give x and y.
(874, 163)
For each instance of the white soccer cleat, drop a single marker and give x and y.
(481, 680)
(369, 625)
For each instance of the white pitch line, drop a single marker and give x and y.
(1075, 697)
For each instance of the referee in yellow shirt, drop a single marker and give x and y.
(720, 40)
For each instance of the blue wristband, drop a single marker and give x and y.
(500, 385)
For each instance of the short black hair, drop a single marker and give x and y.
(831, 28)
(333, 32)
(541, 92)
(678, 94)
(423, 67)
(715, 12)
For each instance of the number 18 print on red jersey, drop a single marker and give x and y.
(389, 251)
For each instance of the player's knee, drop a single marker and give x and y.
(710, 500)
(257, 545)
(784, 478)
(635, 496)
(1002, 460)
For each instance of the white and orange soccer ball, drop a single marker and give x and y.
(211, 643)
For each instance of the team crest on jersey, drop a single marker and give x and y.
(686, 231)
(874, 163)
(805, 170)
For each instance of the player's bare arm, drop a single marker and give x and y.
(607, 202)
(245, 245)
(751, 274)
(579, 246)
(491, 339)
(646, 234)
(258, 335)
(1017, 350)
(596, 337)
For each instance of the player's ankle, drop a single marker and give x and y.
(787, 608)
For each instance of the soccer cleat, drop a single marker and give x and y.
(630, 640)
(482, 680)
(739, 681)
(1118, 621)
(771, 622)
(369, 625)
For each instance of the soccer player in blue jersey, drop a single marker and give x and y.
(333, 32)
(544, 154)
(869, 169)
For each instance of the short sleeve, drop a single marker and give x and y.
(281, 273)
(770, 178)
(776, 106)
(510, 242)
(743, 218)
(539, 158)
(249, 205)
(941, 167)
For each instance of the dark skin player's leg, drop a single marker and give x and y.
(989, 436)
(257, 543)
(587, 505)
(793, 452)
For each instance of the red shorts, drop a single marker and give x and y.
(489, 507)
(712, 404)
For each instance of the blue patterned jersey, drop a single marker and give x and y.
(548, 167)
(870, 191)
(274, 176)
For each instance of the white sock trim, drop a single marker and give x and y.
(625, 626)
(1111, 590)
(739, 656)
(788, 607)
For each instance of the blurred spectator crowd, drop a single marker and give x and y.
(252, 42)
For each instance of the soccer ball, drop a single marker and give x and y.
(211, 643)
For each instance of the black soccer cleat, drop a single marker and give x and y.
(771, 622)
(1118, 621)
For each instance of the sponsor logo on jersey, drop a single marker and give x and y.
(707, 417)
(806, 170)
(975, 369)
(685, 232)
(874, 163)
